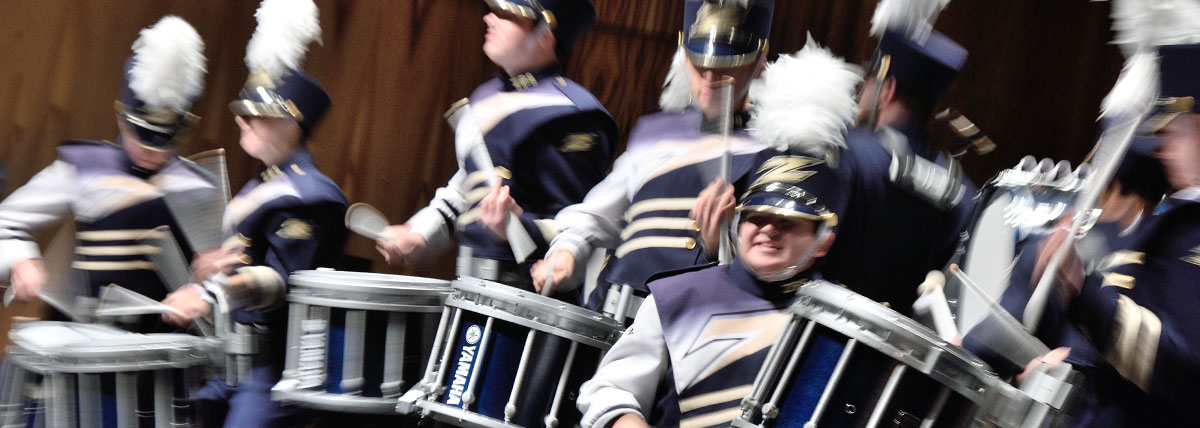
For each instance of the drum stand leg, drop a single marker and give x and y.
(163, 392)
(468, 397)
(886, 398)
(770, 368)
(245, 360)
(62, 403)
(89, 397)
(393, 362)
(552, 418)
(356, 330)
(291, 364)
(445, 361)
(936, 409)
(510, 409)
(834, 378)
(622, 309)
(127, 400)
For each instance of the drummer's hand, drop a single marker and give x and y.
(713, 206)
(401, 245)
(206, 263)
(630, 420)
(1051, 360)
(189, 303)
(1070, 275)
(28, 278)
(564, 265)
(494, 209)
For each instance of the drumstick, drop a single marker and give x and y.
(548, 285)
(1011, 340)
(933, 301)
(134, 303)
(725, 92)
(367, 221)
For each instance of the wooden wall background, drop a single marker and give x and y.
(1037, 72)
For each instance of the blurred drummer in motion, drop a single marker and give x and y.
(289, 219)
(529, 143)
(702, 335)
(115, 191)
(1139, 311)
(640, 209)
(898, 227)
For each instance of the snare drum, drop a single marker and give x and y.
(509, 358)
(64, 375)
(356, 340)
(846, 361)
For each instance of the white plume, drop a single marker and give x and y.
(805, 100)
(1142, 24)
(1135, 89)
(914, 18)
(677, 89)
(285, 28)
(168, 65)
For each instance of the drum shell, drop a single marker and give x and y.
(340, 319)
(562, 337)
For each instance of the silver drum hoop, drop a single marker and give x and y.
(368, 291)
(105, 350)
(896, 336)
(534, 311)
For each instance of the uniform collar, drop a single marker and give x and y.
(1188, 194)
(524, 81)
(299, 163)
(769, 290)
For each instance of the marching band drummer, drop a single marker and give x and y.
(548, 139)
(1141, 313)
(288, 219)
(115, 191)
(641, 208)
(668, 357)
(896, 229)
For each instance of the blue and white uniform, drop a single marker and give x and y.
(549, 140)
(692, 352)
(114, 205)
(289, 219)
(641, 209)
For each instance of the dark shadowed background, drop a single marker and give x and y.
(1034, 80)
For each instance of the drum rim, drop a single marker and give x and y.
(477, 308)
(865, 312)
(321, 400)
(369, 276)
(467, 288)
(108, 358)
(368, 283)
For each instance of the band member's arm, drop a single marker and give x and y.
(43, 201)
(1156, 348)
(436, 221)
(629, 375)
(596, 222)
(302, 238)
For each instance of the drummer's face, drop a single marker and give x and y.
(705, 82)
(268, 139)
(770, 243)
(1180, 152)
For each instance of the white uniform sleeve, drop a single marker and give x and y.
(596, 222)
(447, 204)
(41, 202)
(628, 377)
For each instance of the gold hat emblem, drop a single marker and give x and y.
(717, 18)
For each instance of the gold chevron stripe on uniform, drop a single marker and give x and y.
(720, 417)
(655, 242)
(117, 250)
(124, 265)
(1135, 342)
(469, 217)
(477, 194)
(669, 223)
(474, 179)
(659, 204)
(1118, 280)
(118, 235)
(717, 397)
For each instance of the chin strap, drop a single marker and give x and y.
(822, 233)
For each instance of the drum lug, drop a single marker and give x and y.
(770, 411)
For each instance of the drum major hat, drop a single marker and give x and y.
(726, 33)
(567, 19)
(277, 87)
(794, 186)
(922, 61)
(162, 79)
